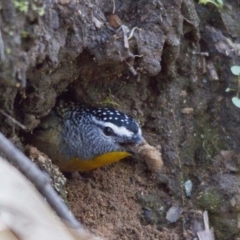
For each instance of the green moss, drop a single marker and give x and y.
(208, 139)
(109, 100)
(21, 5)
(8, 50)
(217, 3)
(24, 5)
(39, 10)
(24, 34)
(225, 227)
(210, 200)
(150, 201)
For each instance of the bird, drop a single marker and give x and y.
(79, 138)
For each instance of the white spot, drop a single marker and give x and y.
(110, 118)
(105, 119)
(116, 118)
(139, 131)
(104, 113)
(111, 113)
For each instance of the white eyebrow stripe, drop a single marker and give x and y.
(122, 131)
(118, 130)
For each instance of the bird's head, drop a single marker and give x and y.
(117, 127)
(92, 131)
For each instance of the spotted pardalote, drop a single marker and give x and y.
(79, 138)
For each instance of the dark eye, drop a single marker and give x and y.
(108, 131)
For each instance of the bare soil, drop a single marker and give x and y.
(107, 202)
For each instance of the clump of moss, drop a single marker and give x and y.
(21, 5)
(24, 6)
(210, 199)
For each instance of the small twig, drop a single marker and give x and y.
(208, 155)
(40, 180)
(238, 85)
(132, 32)
(218, 150)
(125, 37)
(138, 55)
(205, 220)
(2, 49)
(201, 53)
(12, 119)
(208, 233)
(132, 69)
(114, 6)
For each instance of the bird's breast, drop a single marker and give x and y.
(76, 164)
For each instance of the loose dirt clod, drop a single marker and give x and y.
(114, 21)
(151, 155)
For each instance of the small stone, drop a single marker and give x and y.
(187, 110)
(188, 187)
(97, 23)
(174, 213)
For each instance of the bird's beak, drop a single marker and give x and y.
(137, 139)
(129, 145)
